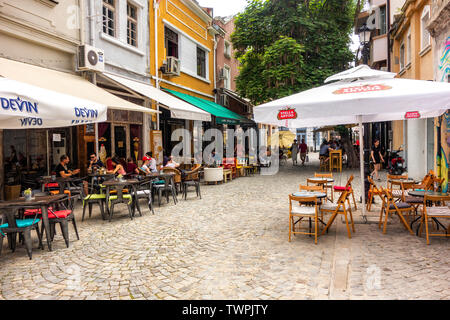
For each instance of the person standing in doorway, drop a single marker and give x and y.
(303, 151)
(377, 158)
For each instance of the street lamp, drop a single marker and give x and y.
(364, 38)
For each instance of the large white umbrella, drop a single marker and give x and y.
(359, 95)
(24, 106)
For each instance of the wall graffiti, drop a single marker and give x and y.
(444, 61)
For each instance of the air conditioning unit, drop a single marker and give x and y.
(224, 100)
(172, 66)
(90, 58)
(223, 74)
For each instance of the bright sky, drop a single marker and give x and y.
(224, 8)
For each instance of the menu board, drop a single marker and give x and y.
(157, 145)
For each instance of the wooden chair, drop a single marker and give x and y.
(394, 177)
(338, 208)
(326, 185)
(335, 160)
(324, 163)
(301, 209)
(390, 206)
(348, 187)
(433, 213)
(373, 191)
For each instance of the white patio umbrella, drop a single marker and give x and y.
(359, 95)
(24, 106)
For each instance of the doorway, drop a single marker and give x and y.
(120, 139)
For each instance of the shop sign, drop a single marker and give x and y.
(226, 121)
(412, 115)
(286, 114)
(365, 88)
(19, 104)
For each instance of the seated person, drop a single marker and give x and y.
(325, 150)
(145, 165)
(109, 164)
(118, 168)
(171, 163)
(152, 163)
(131, 166)
(62, 170)
(95, 162)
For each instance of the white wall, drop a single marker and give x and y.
(416, 146)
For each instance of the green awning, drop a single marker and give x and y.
(222, 114)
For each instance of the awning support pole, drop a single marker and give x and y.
(48, 153)
(361, 165)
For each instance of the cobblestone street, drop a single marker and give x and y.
(231, 244)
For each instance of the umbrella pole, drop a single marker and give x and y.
(361, 165)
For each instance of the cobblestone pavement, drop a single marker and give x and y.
(231, 244)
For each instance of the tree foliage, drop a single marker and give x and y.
(287, 46)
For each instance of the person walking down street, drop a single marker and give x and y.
(377, 158)
(294, 152)
(303, 151)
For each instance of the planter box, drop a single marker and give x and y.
(213, 174)
(12, 192)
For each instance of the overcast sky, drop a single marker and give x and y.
(229, 7)
(224, 7)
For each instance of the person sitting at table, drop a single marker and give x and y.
(171, 163)
(145, 166)
(118, 167)
(325, 150)
(109, 164)
(131, 166)
(152, 164)
(62, 169)
(95, 162)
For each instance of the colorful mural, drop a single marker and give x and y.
(444, 61)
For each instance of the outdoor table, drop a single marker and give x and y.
(417, 193)
(96, 176)
(42, 202)
(398, 182)
(114, 183)
(64, 183)
(321, 181)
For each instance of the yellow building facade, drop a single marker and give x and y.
(182, 29)
(412, 58)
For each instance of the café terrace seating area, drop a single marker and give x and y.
(106, 194)
(420, 206)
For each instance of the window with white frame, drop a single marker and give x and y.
(227, 49)
(402, 55)
(132, 25)
(425, 39)
(227, 77)
(408, 47)
(201, 62)
(109, 17)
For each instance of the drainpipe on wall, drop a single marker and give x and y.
(92, 43)
(215, 67)
(155, 12)
(388, 7)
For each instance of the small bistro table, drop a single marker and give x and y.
(227, 173)
(398, 182)
(42, 202)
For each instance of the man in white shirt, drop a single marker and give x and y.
(152, 162)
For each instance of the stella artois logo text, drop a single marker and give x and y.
(412, 115)
(286, 114)
(359, 89)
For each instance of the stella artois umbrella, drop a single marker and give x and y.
(359, 95)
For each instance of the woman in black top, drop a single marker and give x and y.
(377, 158)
